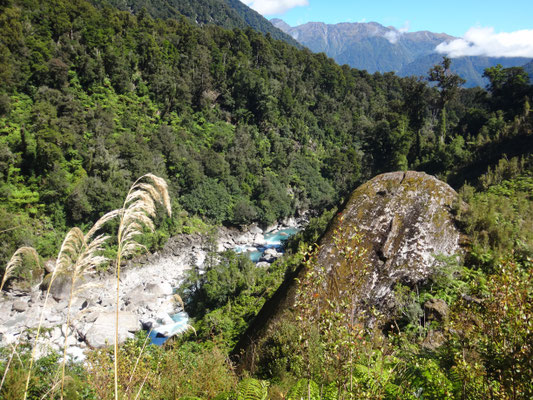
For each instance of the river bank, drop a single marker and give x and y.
(146, 291)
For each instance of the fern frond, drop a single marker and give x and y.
(252, 389)
(304, 389)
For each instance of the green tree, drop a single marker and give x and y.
(448, 84)
(509, 88)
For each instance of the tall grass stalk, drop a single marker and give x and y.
(16, 259)
(68, 247)
(138, 359)
(136, 215)
(142, 385)
(80, 258)
(41, 318)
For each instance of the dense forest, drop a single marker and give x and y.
(246, 128)
(227, 14)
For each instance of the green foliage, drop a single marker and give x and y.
(252, 389)
(509, 88)
(304, 389)
(493, 337)
(76, 388)
(228, 295)
(499, 220)
(210, 199)
(242, 126)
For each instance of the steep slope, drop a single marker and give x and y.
(376, 48)
(225, 13)
(404, 220)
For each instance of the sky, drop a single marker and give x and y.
(488, 27)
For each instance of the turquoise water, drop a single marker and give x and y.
(181, 320)
(255, 256)
(273, 240)
(276, 238)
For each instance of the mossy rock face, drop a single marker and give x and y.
(405, 221)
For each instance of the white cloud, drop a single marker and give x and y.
(394, 34)
(485, 42)
(267, 7)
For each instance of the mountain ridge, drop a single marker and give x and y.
(373, 47)
(225, 13)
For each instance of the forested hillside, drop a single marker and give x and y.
(529, 69)
(225, 13)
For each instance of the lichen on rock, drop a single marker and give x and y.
(405, 220)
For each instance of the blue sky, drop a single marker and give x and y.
(454, 17)
(490, 28)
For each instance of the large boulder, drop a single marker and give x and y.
(102, 332)
(404, 221)
(401, 221)
(60, 289)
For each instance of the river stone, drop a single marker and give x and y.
(159, 289)
(142, 299)
(271, 228)
(290, 222)
(269, 255)
(50, 265)
(20, 305)
(60, 289)
(16, 321)
(76, 353)
(102, 332)
(35, 296)
(259, 240)
(255, 230)
(56, 334)
(245, 238)
(262, 264)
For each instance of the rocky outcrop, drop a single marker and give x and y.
(403, 221)
(436, 310)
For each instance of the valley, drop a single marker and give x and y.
(195, 206)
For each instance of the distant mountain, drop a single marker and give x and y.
(225, 13)
(369, 46)
(376, 48)
(470, 68)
